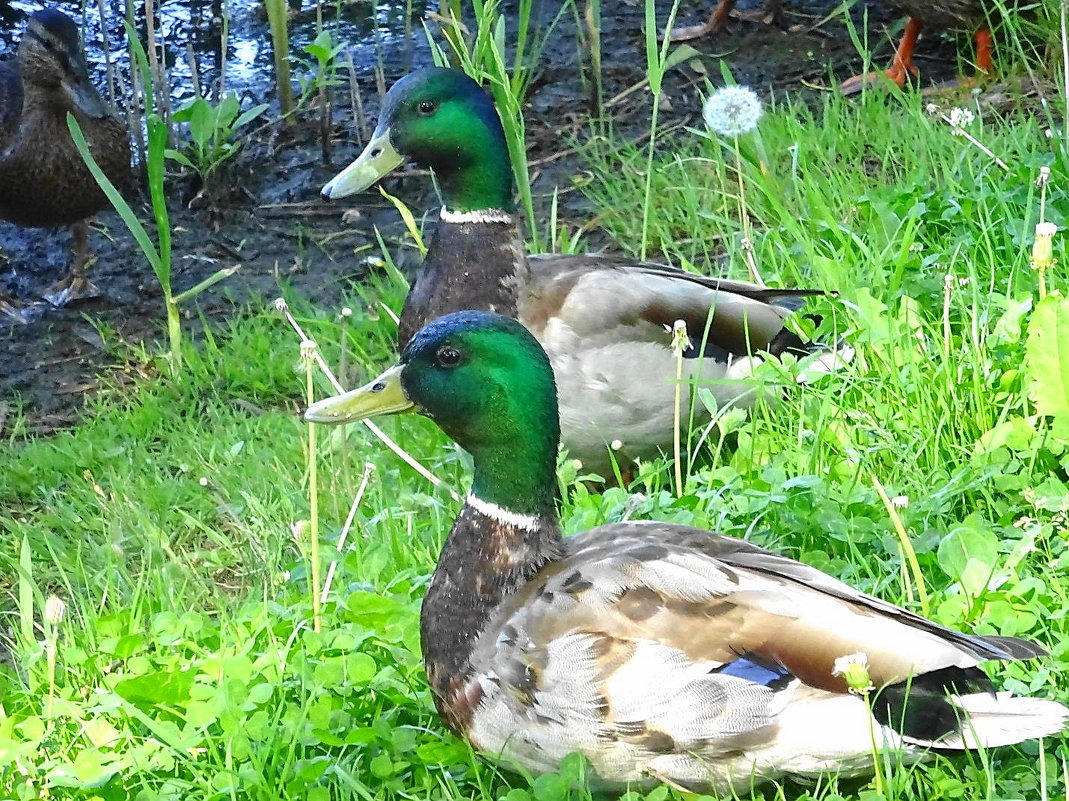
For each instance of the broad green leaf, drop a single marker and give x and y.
(1048, 356)
(163, 687)
(972, 542)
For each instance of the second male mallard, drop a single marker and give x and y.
(605, 322)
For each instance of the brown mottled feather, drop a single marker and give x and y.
(953, 14)
(622, 646)
(43, 180)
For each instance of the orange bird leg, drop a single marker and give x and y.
(901, 65)
(716, 20)
(984, 48)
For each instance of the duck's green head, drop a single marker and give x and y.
(51, 58)
(485, 380)
(441, 119)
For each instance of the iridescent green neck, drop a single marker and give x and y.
(483, 181)
(520, 478)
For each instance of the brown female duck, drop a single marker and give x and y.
(43, 181)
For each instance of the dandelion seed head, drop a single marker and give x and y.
(732, 111)
(900, 501)
(281, 305)
(346, 311)
(1046, 229)
(616, 444)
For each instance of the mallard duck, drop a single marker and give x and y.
(43, 181)
(605, 322)
(770, 11)
(656, 650)
(954, 14)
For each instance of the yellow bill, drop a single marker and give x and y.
(378, 159)
(384, 395)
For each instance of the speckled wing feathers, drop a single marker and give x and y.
(625, 649)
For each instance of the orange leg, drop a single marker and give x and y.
(716, 20)
(901, 66)
(984, 49)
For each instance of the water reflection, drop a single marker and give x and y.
(375, 31)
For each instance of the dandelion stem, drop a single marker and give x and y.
(679, 342)
(744, 215)
(308, 348)
(907, 546)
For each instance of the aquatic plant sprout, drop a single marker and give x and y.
(732, 111)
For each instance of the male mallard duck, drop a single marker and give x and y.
(955, 14)
(43, 180)
(770, 11)
(605, 322)
(654, 649)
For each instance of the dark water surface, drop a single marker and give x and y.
(382, 32)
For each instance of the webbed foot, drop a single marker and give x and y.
(73, 286)
(14, 312)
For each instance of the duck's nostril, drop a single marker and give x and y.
(376, 152)
(378, 387)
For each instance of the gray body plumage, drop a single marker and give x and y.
(668, 653)
(606, 324)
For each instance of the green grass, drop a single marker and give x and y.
(186, 666)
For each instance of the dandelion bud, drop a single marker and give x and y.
(55, 609)
(854, 669)
(732, 111)
(1043, 247)
(680, 340)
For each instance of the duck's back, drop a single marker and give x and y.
(664, 651)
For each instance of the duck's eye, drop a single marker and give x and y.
(447, 356)
(427, 107)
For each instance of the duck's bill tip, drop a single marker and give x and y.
(383, 395)
(378, 160)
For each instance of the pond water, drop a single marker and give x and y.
(386, 32)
